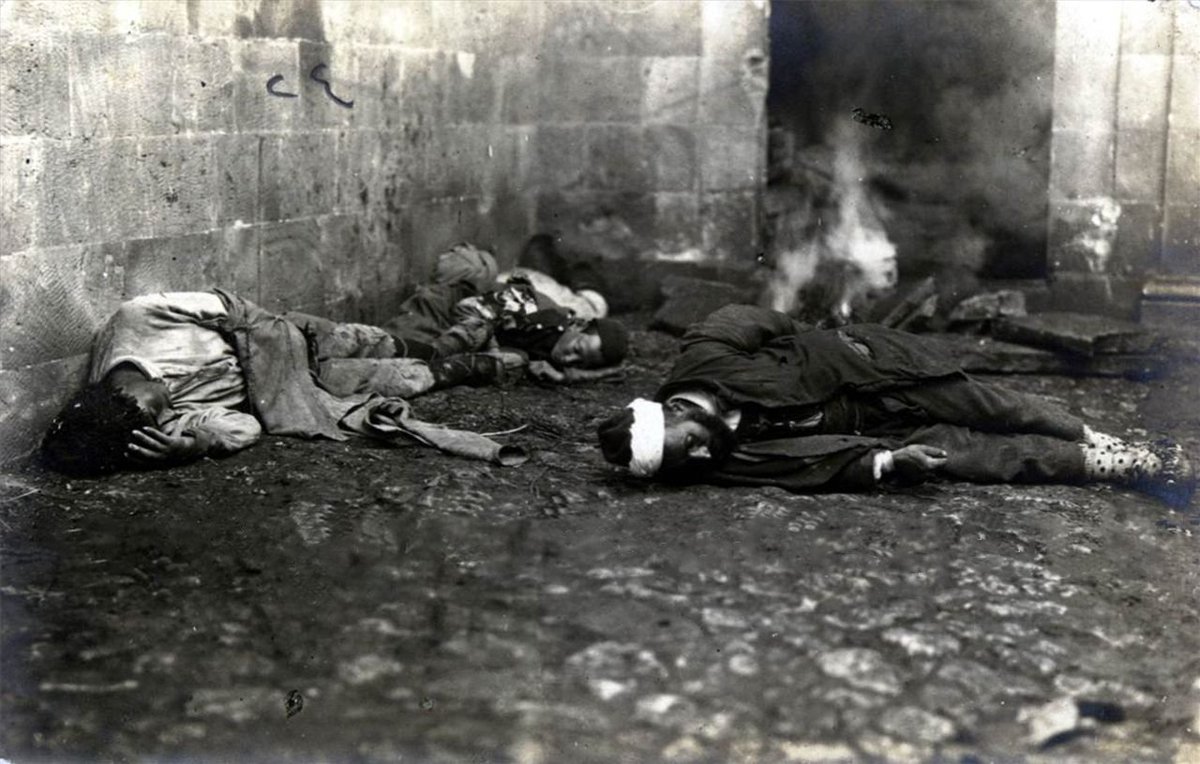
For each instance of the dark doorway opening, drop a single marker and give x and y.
(953, 129)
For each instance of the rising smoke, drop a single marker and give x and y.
(832, 250)
(966, 87)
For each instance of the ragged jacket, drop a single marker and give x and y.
(285, 393)
(761, 360)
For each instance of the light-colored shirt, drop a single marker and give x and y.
(172, 337)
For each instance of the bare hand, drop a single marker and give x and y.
(916, 461)
(594, 375)
(544, 371)
(153, 446)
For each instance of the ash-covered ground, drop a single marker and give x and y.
(403, 605)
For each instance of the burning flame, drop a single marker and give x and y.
(856, 240)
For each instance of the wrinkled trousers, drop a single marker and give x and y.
(991, 434)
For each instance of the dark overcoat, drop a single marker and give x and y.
(753, 357)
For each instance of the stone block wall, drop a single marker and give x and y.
(1125, 166)
(140, 151)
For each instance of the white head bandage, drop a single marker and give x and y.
(646, 437)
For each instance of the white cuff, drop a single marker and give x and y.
(882, 464)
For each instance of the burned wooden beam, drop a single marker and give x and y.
(1078, 333)
(984, 355)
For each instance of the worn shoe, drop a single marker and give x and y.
(1174, 482)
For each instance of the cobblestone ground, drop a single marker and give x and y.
(404, 605)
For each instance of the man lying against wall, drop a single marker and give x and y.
(758, 398)
(177, 376)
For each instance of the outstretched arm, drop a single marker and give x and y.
(544, 371)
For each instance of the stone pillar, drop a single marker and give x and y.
(1123, 179)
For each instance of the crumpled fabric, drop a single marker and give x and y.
(466, 263)
(287, 397)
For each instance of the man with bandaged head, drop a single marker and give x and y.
(758, 398)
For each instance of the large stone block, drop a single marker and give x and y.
(1084, 89)
(52, 300)
(1181, 240)
(616, 159)
(517, 89)
(205, 85)
(731, 224)
(226, 258)
(734, 157)
(733, 89)
(171, 264)
(1139, 164)
(359, 158)
(379, 22)
(298, 176)
(560, 156)
(122, 85)
(348, 268)
(671, 152)
(472, 89)
(1084, 30)
(1139, 236)
(729, 27)
(178, 186)
(505, 223)
(1081, 164)
(1187, 29)
(377, 101)
(292, 19)
(293, 277)
(457, 161)
(234, 170)
(614, 225)
(170, 16)
(607, 89)
(30, 397)
(35, 93)
(1096, 293)
(477, 26)
(1183, 166)
(1142, 94)
(1185, 92)
(624, 28)
(256, 62)
(676, 223)
(94, 191)
(513, 161)
(1146, 27)
(403, 168)
(1082, 235)
(672, 90)
(20, 194)
(422, 88)
(335, 71)
(237, 263)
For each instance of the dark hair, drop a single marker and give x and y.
(89, 437)
(614, 340)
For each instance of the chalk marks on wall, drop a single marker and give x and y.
(316, 75)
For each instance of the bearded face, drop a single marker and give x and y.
(694, 439)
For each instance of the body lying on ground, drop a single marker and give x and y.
(758, 398)
(177, 376)
(465, 309)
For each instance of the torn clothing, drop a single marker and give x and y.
(172, 338)
(454, 318)
(813, 409)
(233, 370)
